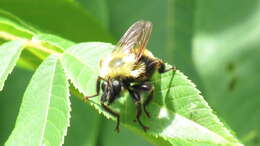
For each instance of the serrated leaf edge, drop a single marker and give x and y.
(11, 68)
(49, 101)
(69, 105)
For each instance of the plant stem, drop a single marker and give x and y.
(28, 43)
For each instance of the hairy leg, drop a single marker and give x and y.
(162, 68)
(146, 86)
(97, 89)
(137, 100)
(109, 110)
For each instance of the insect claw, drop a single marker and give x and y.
(117, 129)
(85, 98)
(145, 128)
(174, 68)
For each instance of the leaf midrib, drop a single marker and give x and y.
(83, 63)
(48, 104)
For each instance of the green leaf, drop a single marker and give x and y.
(84, 122)
(28, 60)
(65, 18)
(10, 100)
(73, 62)
(44, 114)
(12, 28)
(226, 53)
(97, 8)
(9, 54)
(109, 137)
(179, 113)
(52, 40)
(13, 25)
(8, 16)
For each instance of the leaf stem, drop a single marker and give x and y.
(28, 43)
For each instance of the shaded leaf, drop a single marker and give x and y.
(53, 16)
(28, 61)
(227, 53)
(84, 122)
(10, 100)
(44, 114)
(9, 54)
(16, 20)
(179, 113)
(97, 8)
(13, 25)
(111, 138)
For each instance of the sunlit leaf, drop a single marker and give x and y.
(53, 40)
(44, 114)
(9, 54)
(179, 113)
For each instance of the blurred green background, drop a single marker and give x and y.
(215, 43)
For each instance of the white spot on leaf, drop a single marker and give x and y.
(163, 113)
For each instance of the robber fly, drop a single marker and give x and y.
(130, 67)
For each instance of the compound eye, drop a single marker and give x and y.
(116, 87)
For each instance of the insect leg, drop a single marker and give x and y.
(97, 89)
(109, 110)
(146, 86)
(137, 100)
(148, 100)
(160, 65)
(162, 68)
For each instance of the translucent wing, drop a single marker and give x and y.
(135, 39)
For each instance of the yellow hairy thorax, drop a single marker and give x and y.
(121, 65)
